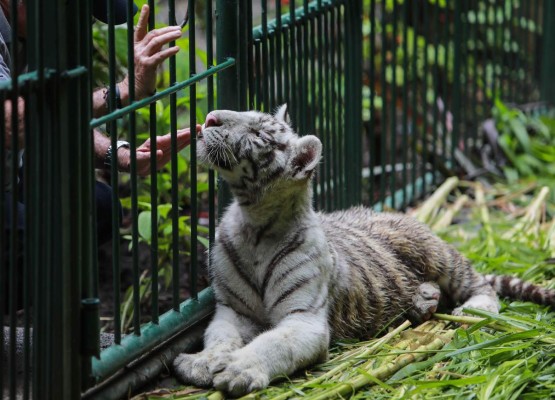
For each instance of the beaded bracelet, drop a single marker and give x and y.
(107, 98)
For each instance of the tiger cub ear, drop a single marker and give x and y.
(282, 114)
(306, 156)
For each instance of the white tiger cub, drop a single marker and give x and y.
(287, 279)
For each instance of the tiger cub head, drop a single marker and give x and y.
(253, 151)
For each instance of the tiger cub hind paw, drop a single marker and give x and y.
(480, 302)
(425, 302)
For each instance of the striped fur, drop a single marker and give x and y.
(288, 279)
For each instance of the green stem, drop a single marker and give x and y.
(347, 364)
(348, 388)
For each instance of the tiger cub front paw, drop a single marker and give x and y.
(198, 369)
(241, 375)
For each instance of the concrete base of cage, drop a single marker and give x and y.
(19, 345)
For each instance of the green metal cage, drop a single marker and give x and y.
(396, 90)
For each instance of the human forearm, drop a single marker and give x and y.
(101, 145)
(8, 110)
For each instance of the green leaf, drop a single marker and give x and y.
(145, 225)
(203, 241)
(163, 210)
(519, 129)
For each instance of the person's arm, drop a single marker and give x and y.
(8, 109)
(5, 74)
(149, 53)
(163, 151)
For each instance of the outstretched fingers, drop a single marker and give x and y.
(142, 24)
(157, 38)
(159, 57)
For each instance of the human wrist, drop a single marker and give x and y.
(121, 147)
(124, 92)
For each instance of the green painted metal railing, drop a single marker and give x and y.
(43, 256)
(394, 89)
(432, 72)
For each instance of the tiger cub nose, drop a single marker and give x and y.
(211, 120)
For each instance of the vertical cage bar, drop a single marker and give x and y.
(323, 170)
(313, 96)
(383, 84)
(174, 171)
(3, 222)
(457, 84)
(133, 173)
(536, 42)
(445, 85)
(305, 64)
(192, 124)
(272, 71)
(336, 137)
(153, 192)
(393, 105)
(520, 28)
(405, 11)
(372, 85)
(494, 50)
(341, 94)
(264, 47)
(258, 70)
(475, 89)
(414, 98)
(353, 108)
(112, 129)
(86, 181)
(210, 107)
(528, 71)
(510, 51)
(463, 91)
(548, 56)
(37, 40)
(245, 64)
(487, 52)
(14, 194)
(435, 82)
(286, 70)
(299, 63)
(228, 82)
(278, 53)
(506, 37)
(293, 89)
(327, 111)
(424, 143)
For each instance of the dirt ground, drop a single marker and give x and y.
(165, 298)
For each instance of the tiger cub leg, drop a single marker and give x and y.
(424, 302)
(467, 287)
(226, 333)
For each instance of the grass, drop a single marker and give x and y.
(507, 230)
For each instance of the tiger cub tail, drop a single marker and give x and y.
(517, 289)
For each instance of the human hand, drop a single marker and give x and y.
(149, 54)
(163, 152)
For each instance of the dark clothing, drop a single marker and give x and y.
(103, 195)
(103, 200)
